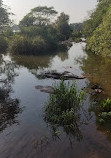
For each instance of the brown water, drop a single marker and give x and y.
(23, 131)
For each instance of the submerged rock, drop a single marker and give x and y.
(96, 89)
(66, 43)
(46, 89)
(56, 75)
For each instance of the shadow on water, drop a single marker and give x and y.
(9, 108)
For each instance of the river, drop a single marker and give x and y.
(23, 131)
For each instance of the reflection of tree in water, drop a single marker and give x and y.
(96, 108)
(9, 108)
(32, 62)
(36, 62)
(98, 71)
(63, 55)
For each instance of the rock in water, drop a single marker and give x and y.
(46, 89)
(56, 75)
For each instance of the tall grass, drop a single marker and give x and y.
(62, 107)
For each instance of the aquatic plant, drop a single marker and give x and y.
(63, 107)
(104, 111)
(106, 105)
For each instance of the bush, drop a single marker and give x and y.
(27, 46)
(104, 111)
(20, 45)
(62, 108)
(99, 41)
(3, 44)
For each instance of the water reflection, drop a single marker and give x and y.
(38, 62)
(98, 71)
(9, 108)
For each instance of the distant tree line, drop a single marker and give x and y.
(41, 30)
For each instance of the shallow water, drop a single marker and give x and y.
(26, 134)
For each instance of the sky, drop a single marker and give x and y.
(76, 9)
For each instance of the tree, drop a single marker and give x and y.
(4, 16)
(62, 26)
(100, 41)
(39, 16)
(96, 17)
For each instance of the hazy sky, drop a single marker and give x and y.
(77, 9)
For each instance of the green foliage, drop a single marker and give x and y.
(4, 27)
(106, 105)
(39, 16)
(97, 29)
(3, 44)
(8, 32)
(38, 23)
(38, 34)
(63, 27)
(36, 45)
(100, 42)
(104, 112)
(96, 17)
(4, 16)
(76, 36)
(27, 46)
(62, 108)
(32, 31)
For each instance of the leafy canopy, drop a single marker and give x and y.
(4, 16)
(62, 26)
(39, 16)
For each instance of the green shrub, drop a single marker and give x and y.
(100, 40)
(62, 108)
(104, 112)
(27, 46)
(3, 44)
(20, 45)
(106, 105)
(38, 45)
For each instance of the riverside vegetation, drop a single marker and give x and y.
(97, 29)
(104, 112)
(63, 108)
(39, 33)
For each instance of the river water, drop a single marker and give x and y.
(23, 131)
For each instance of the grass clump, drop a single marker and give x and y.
(63, 107)
(105, 111)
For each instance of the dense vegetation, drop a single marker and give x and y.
(97, 29)
(4, 27)
(103, 112)
(40, 33)
(76, 31)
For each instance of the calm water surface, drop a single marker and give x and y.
(23, 131)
